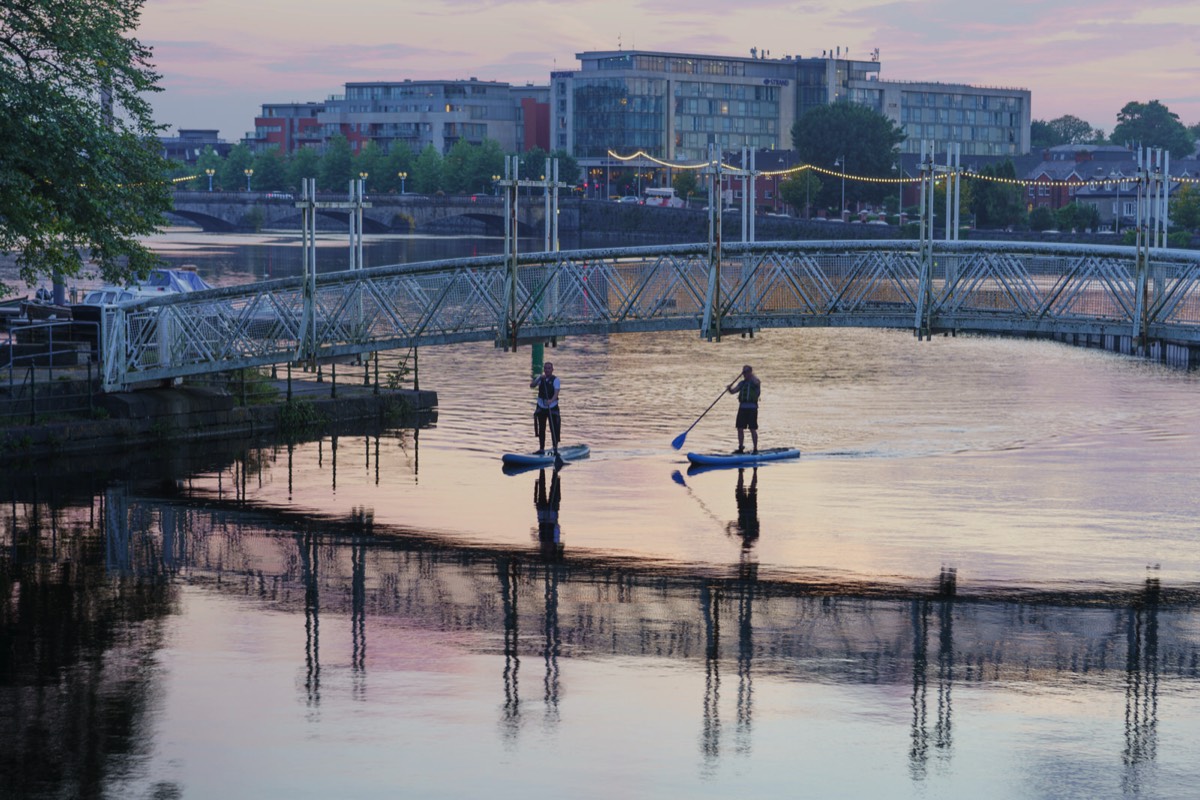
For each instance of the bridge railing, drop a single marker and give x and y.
(971, 285)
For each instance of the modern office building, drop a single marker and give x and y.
(286, 127)
(675, 105)
(418, 113)
(985, 121)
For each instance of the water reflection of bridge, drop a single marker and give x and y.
(735, 626)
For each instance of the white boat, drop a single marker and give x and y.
(159, 282)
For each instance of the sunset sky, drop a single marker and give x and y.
(220, 59)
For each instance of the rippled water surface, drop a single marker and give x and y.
(979, 579)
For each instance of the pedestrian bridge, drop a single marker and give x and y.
(1147, 300)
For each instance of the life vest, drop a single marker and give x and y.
(545, 390)
(749, 392)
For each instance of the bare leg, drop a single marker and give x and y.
(754, 438)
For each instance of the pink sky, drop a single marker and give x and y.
(220, 60)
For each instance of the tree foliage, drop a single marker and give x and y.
(428, 172)
(1185, 208)
(1077, 217)
(686, 184)
(997, 204)
(800, 190)
(861, 139)
(1066, 129)
(1153, 125)
(337, 165)
(1042, 219)
(81, 174)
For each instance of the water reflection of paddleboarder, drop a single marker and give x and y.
(746, 525)
(547, 500)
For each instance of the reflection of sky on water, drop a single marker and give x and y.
(1016, 462)
(378, 616)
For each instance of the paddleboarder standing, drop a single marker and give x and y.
(547, 386)
(748, 390)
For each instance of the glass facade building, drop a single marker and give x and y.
(985, 121)
(675, 106)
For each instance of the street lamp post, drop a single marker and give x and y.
(1117, 217)
(403, 176)
(210, 172)
(495, 181)
(248, 173)
(363, 177)
(900, 198)
(841, 165)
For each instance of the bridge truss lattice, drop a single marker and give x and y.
(956, 285)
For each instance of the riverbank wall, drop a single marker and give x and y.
(154, 418)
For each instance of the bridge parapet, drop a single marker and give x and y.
(223, 211)
(982, 286)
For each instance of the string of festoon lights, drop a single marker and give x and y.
(1024, 182)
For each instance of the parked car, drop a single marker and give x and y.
(629, 199)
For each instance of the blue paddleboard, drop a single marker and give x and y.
(545, 458)
(743, 459)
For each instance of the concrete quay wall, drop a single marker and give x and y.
(153, 417)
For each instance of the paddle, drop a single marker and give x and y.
(558, 459)
(678, 441)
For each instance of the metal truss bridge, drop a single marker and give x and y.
(1149, 296)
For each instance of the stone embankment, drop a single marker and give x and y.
(152, 418)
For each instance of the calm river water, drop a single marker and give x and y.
(979, 580)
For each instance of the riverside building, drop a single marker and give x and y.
(418, 113)
(674, 106)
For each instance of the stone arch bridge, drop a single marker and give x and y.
(231, 211)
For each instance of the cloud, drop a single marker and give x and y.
(1083, 58)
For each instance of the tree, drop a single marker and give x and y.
(1153, 125)
(1041, 219)
(1042, 136)
(399, 159)
(484, 161)
(426, 173)
(1185, 208)
(454, 167)
(233, 169)
(864, 140)
(995, 201)
(532, 164)
(370, 159)
(270, 171)
(337, 165)
(685, 184)
(1073, 130)
(208, 159)
(81, 172)
(305, 163)
(568, 167)
(799, 190)
(1066, 129)
(1077, 217)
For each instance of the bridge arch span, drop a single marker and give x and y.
(1034, 289)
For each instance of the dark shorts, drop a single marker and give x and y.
(747, 418)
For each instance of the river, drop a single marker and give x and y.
(979, 579)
